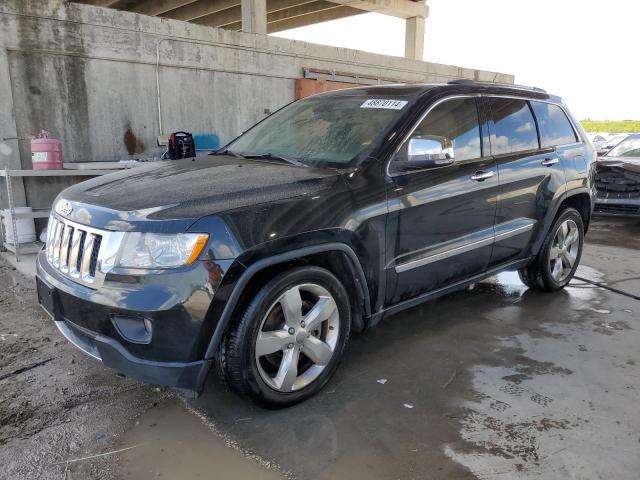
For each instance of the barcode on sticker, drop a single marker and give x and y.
(384, 103)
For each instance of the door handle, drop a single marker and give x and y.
(479, 176)
(547, 162)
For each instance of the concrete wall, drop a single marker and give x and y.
(88, 75)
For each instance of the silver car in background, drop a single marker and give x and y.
(611, 141)
(599, 140)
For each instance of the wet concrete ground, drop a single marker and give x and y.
(491, 382)
(494, 382)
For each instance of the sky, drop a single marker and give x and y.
(586, 51)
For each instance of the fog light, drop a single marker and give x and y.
(133, 329)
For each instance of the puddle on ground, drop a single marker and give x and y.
(505, 283)
(524, 422)
(508, 285)
(169, 442)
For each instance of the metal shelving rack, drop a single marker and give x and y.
(7, 174)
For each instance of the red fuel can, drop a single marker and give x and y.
(46, 153)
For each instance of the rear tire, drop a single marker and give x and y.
(287, 343)
(557, 261)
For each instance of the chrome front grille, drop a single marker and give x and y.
(84, 254)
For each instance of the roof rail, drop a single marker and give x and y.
(467, 81)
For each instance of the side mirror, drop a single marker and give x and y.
(428, 151)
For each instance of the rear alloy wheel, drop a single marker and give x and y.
(556, 263)
(290, 339)
(564, 250)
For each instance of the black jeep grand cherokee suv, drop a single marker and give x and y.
(334, 212)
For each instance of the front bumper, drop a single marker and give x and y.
(178, 311)
(617, 207)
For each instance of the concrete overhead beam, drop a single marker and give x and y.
(230, 18)
(158, 7)
(192, 10)
(301, 10)
(312, 18)
(316, 7)
(202, 8)
(394, 8)
(222, 18)
(100, 3)
(277, 5)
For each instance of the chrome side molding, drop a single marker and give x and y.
(440, 252)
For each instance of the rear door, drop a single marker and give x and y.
(531, 176)
(557, 132)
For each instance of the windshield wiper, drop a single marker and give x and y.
(227, 152)
(271, 156)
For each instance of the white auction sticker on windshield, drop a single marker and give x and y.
(384, 103)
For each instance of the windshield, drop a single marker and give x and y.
(615, 139)
(323, 130)
(629, 147)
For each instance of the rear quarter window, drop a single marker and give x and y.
(555, 128)
(514, 126)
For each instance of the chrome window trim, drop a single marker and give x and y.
(526, 226)
(530, 99)
(484, 154)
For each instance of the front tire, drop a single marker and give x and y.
(288, 342)
(556, 263)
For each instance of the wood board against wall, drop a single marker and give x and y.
(308, 86)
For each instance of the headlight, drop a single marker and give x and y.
(160, 250)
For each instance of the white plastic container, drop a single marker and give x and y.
(26, 226)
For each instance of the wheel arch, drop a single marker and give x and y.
(338, 258)
(581, 201)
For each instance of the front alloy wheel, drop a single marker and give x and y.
(297, 337)
(289, 340)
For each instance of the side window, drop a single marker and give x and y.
(457, 120)
(514, 125)
(555, 128)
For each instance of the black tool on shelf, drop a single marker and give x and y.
(181, 145)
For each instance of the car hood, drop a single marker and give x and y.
(191, 189)
(631, 162)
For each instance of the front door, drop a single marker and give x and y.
(440, 226)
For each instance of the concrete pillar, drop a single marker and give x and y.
(254, 16)
(9, 149)
(414, 38)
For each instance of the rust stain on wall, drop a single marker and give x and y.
(132, 143)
